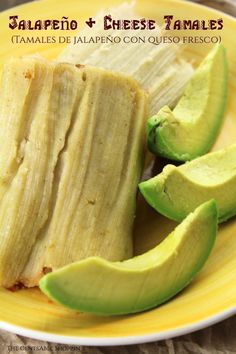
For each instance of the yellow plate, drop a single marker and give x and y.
(212, 296)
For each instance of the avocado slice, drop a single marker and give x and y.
(99, 286)
(191, 128)
(179, 190)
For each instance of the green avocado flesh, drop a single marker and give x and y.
(179, 190)
(102, 287)
(191, 128)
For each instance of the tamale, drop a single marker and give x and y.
(156, 65)
(72, 192)
(33, 130)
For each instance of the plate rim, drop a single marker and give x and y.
(118, 341)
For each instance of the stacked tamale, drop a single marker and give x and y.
(71, 153)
